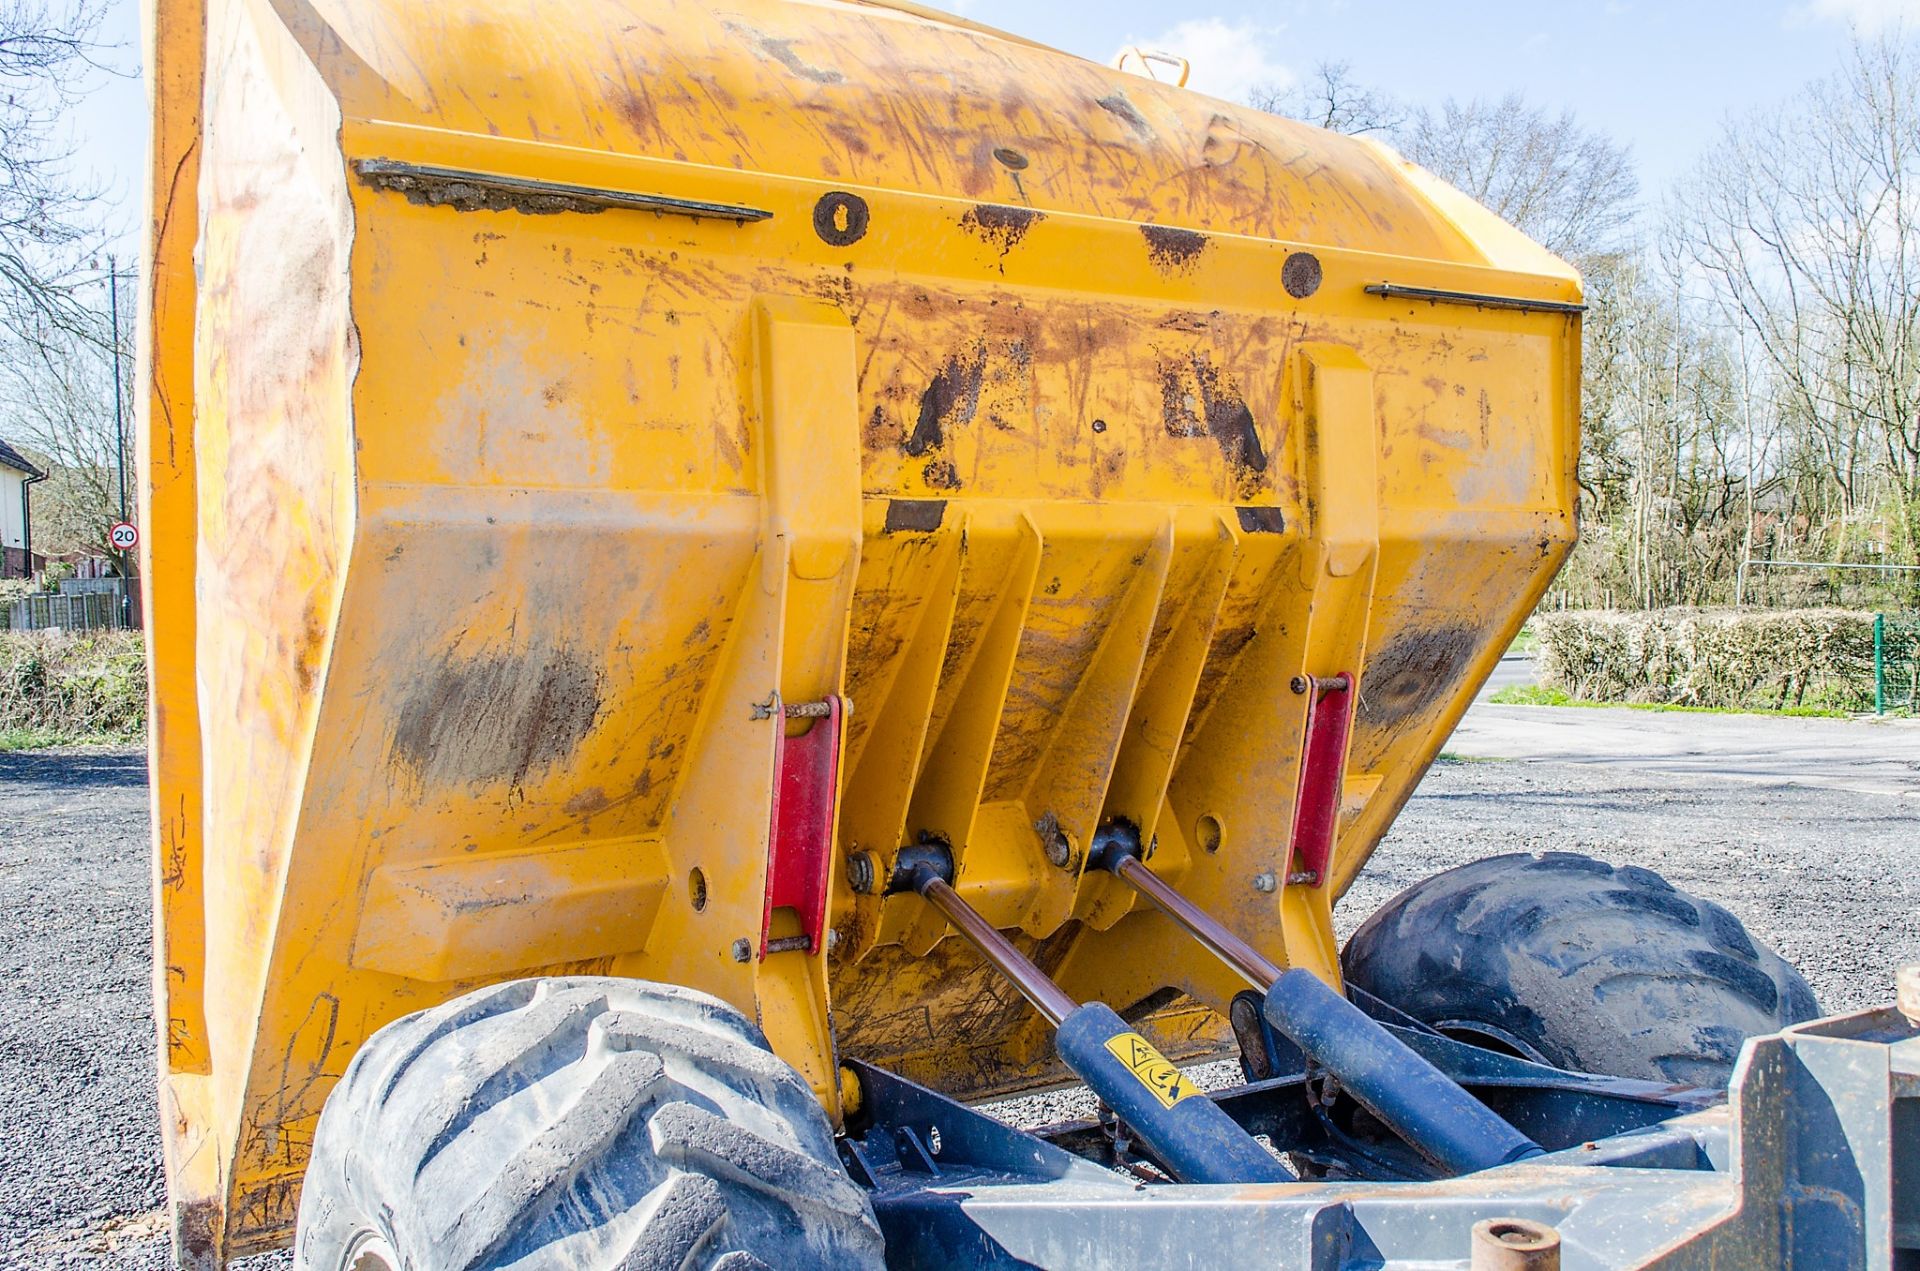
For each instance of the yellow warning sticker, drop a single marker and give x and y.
(1169, 1084)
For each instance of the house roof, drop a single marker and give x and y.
(11, 458)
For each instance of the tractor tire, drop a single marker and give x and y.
(1582, 965)
(579, 1124)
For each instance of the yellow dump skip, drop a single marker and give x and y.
(563, 393)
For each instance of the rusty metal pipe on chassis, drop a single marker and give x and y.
(1423, 1105)
(1116, 848)
(925, 870)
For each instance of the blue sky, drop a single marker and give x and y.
(1661, 77)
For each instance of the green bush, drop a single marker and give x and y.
(1732, 659)
(72, 686)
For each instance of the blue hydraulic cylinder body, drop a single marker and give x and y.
(1183, 1128)
(1411, 1096)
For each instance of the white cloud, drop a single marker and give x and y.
(1229, 59)
(1868, 15)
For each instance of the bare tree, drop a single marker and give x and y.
(57, 352)
(48, 56)
(1570, 189)
(62, 411)
(1805, 224)
(1333, 99)
(1665, 470)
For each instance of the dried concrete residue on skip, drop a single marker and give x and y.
(780, 49)
(1416, 670)
(1121, 108)
(429, 190)
(497, 718)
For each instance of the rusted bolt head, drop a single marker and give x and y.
(1514, 1244)
(1059, 848)
(860, 872)
(1265, 882)
(1299, 683)
(742, 949)
(1906, 992)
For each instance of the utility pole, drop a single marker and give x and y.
(119, 414)
(120, 438)
(1746, 411)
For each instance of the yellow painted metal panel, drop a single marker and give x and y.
(467, 916)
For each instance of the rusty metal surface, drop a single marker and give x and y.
(1514, 1244)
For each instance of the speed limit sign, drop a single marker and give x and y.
(125, 536)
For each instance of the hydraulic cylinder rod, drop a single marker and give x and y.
(1248, 961)
(1421, 1104)
(1184, 1129)
(1047, 997)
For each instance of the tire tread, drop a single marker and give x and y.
(1598, 968)
(580, 1123)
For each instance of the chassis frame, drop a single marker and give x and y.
(1811, 1160)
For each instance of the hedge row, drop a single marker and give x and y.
(1740, 660)
(83, 686)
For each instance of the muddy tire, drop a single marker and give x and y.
(577, 1123)
(1576, 963)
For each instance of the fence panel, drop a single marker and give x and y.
(88, 612)
(1896, 663)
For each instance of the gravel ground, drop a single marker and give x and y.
(1828, 878)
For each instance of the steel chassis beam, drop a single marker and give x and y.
(1814, 1162)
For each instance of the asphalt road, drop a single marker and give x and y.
(1862, 756)
(1825, 875)
(1514, 668)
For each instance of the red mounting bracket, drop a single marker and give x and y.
(1323, 770)
(806, 798)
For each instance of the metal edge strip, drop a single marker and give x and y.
(409, 178)
(1393, 291)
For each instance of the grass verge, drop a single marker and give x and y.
(1525, 642)
(48, 738)
(1535, 695)
(60, 688)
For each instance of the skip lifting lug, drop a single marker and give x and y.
(1321, 685)
(797, 710)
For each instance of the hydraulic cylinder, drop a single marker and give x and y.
(1176, 1121)
(1433, 1113)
